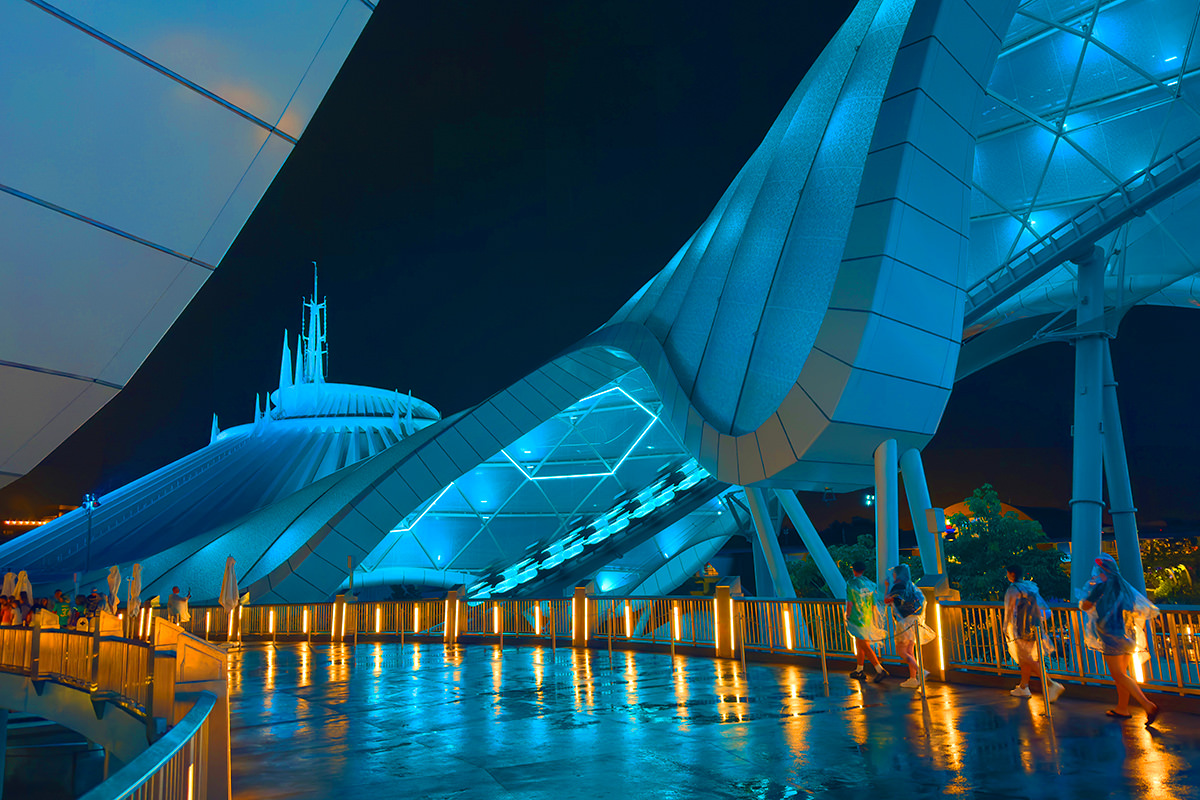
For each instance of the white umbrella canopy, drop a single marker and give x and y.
(10, 584)
(229, 594)
(229, 587)
(114, 585)
(23, 585)
(134, 601)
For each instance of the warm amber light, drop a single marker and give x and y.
(717, 624)
(343, 630)
(787, 627)
(378, 619)
(628, 621)
(941, 646)
(416, 619)
(271, 622)
(537, 620)
(191, 782)
(207, 622)
(586, 626)
(496, 618)
(1137, 666)
(305, 621)
(676, 610)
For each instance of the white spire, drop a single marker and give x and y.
(313, 337)
(212, 437)
(408, 416)
(285, 365)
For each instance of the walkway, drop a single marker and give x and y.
(474, 722)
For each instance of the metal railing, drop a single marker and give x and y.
(975, 642)
(127, 673)
(170, 769)
(114, 668)
(972, 637)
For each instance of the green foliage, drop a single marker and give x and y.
(1172, 566)
(807, 578)
(987, 541)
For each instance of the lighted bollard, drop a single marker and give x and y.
(723, 622)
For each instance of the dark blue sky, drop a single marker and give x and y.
(485, 184)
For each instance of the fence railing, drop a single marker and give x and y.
(971, 634)
(173, 768)
(1171, 662)
(131, 674)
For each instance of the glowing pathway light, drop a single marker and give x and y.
(496, 618)
(537, 620)
(677, 629)
(416, 619)
(628, 621)
(305, 630)
(378, 619)
(787, 627)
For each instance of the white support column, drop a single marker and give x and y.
(812, 540)
(917, 492)
(766, 541)
(1087, 501)
(887, 511)
(1120, 493)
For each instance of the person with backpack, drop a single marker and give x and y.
(863, 622)
(1024, 612)
(908, 610)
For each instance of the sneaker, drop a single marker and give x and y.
(880, 674)
(912, 683)
(859, 674)
(1056, 689)
(1020, 691)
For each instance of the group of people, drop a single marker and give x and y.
(59, 611)
(1115, 613)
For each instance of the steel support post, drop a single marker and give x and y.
(766, 542)
(1120, 494)
(1087, 501)
(817, 550)
(917, 492)
(887, 511)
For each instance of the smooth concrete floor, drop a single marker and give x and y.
(381, 721)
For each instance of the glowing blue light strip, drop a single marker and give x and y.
(432, 503)
(613, 471)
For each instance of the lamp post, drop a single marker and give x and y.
(90, 503)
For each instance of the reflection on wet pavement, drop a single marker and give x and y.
(422, 721)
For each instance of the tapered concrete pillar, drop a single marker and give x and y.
(1120, 493)
(1087, 501)
(917, 492)
(766, 544)
(887, 511)
(817, 550)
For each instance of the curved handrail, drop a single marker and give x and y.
(150, 765)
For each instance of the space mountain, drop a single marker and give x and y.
(305, 430)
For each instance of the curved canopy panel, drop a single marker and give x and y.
(1090, 134)
(139, 138)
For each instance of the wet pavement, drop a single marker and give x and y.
(382, 721)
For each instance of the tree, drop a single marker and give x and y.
(987, 541)
(1171, 566)
(807, 579)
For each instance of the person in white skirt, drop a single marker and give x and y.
(908, 610)
(1024, 610)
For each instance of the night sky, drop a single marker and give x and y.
(485, 184)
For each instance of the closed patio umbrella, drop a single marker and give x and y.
(114, 585)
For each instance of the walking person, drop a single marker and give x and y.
(1116, 616)
(1024, 612)
(863, 622)
(908, 609)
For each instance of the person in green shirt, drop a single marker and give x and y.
(62, 608)
(863, 622)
